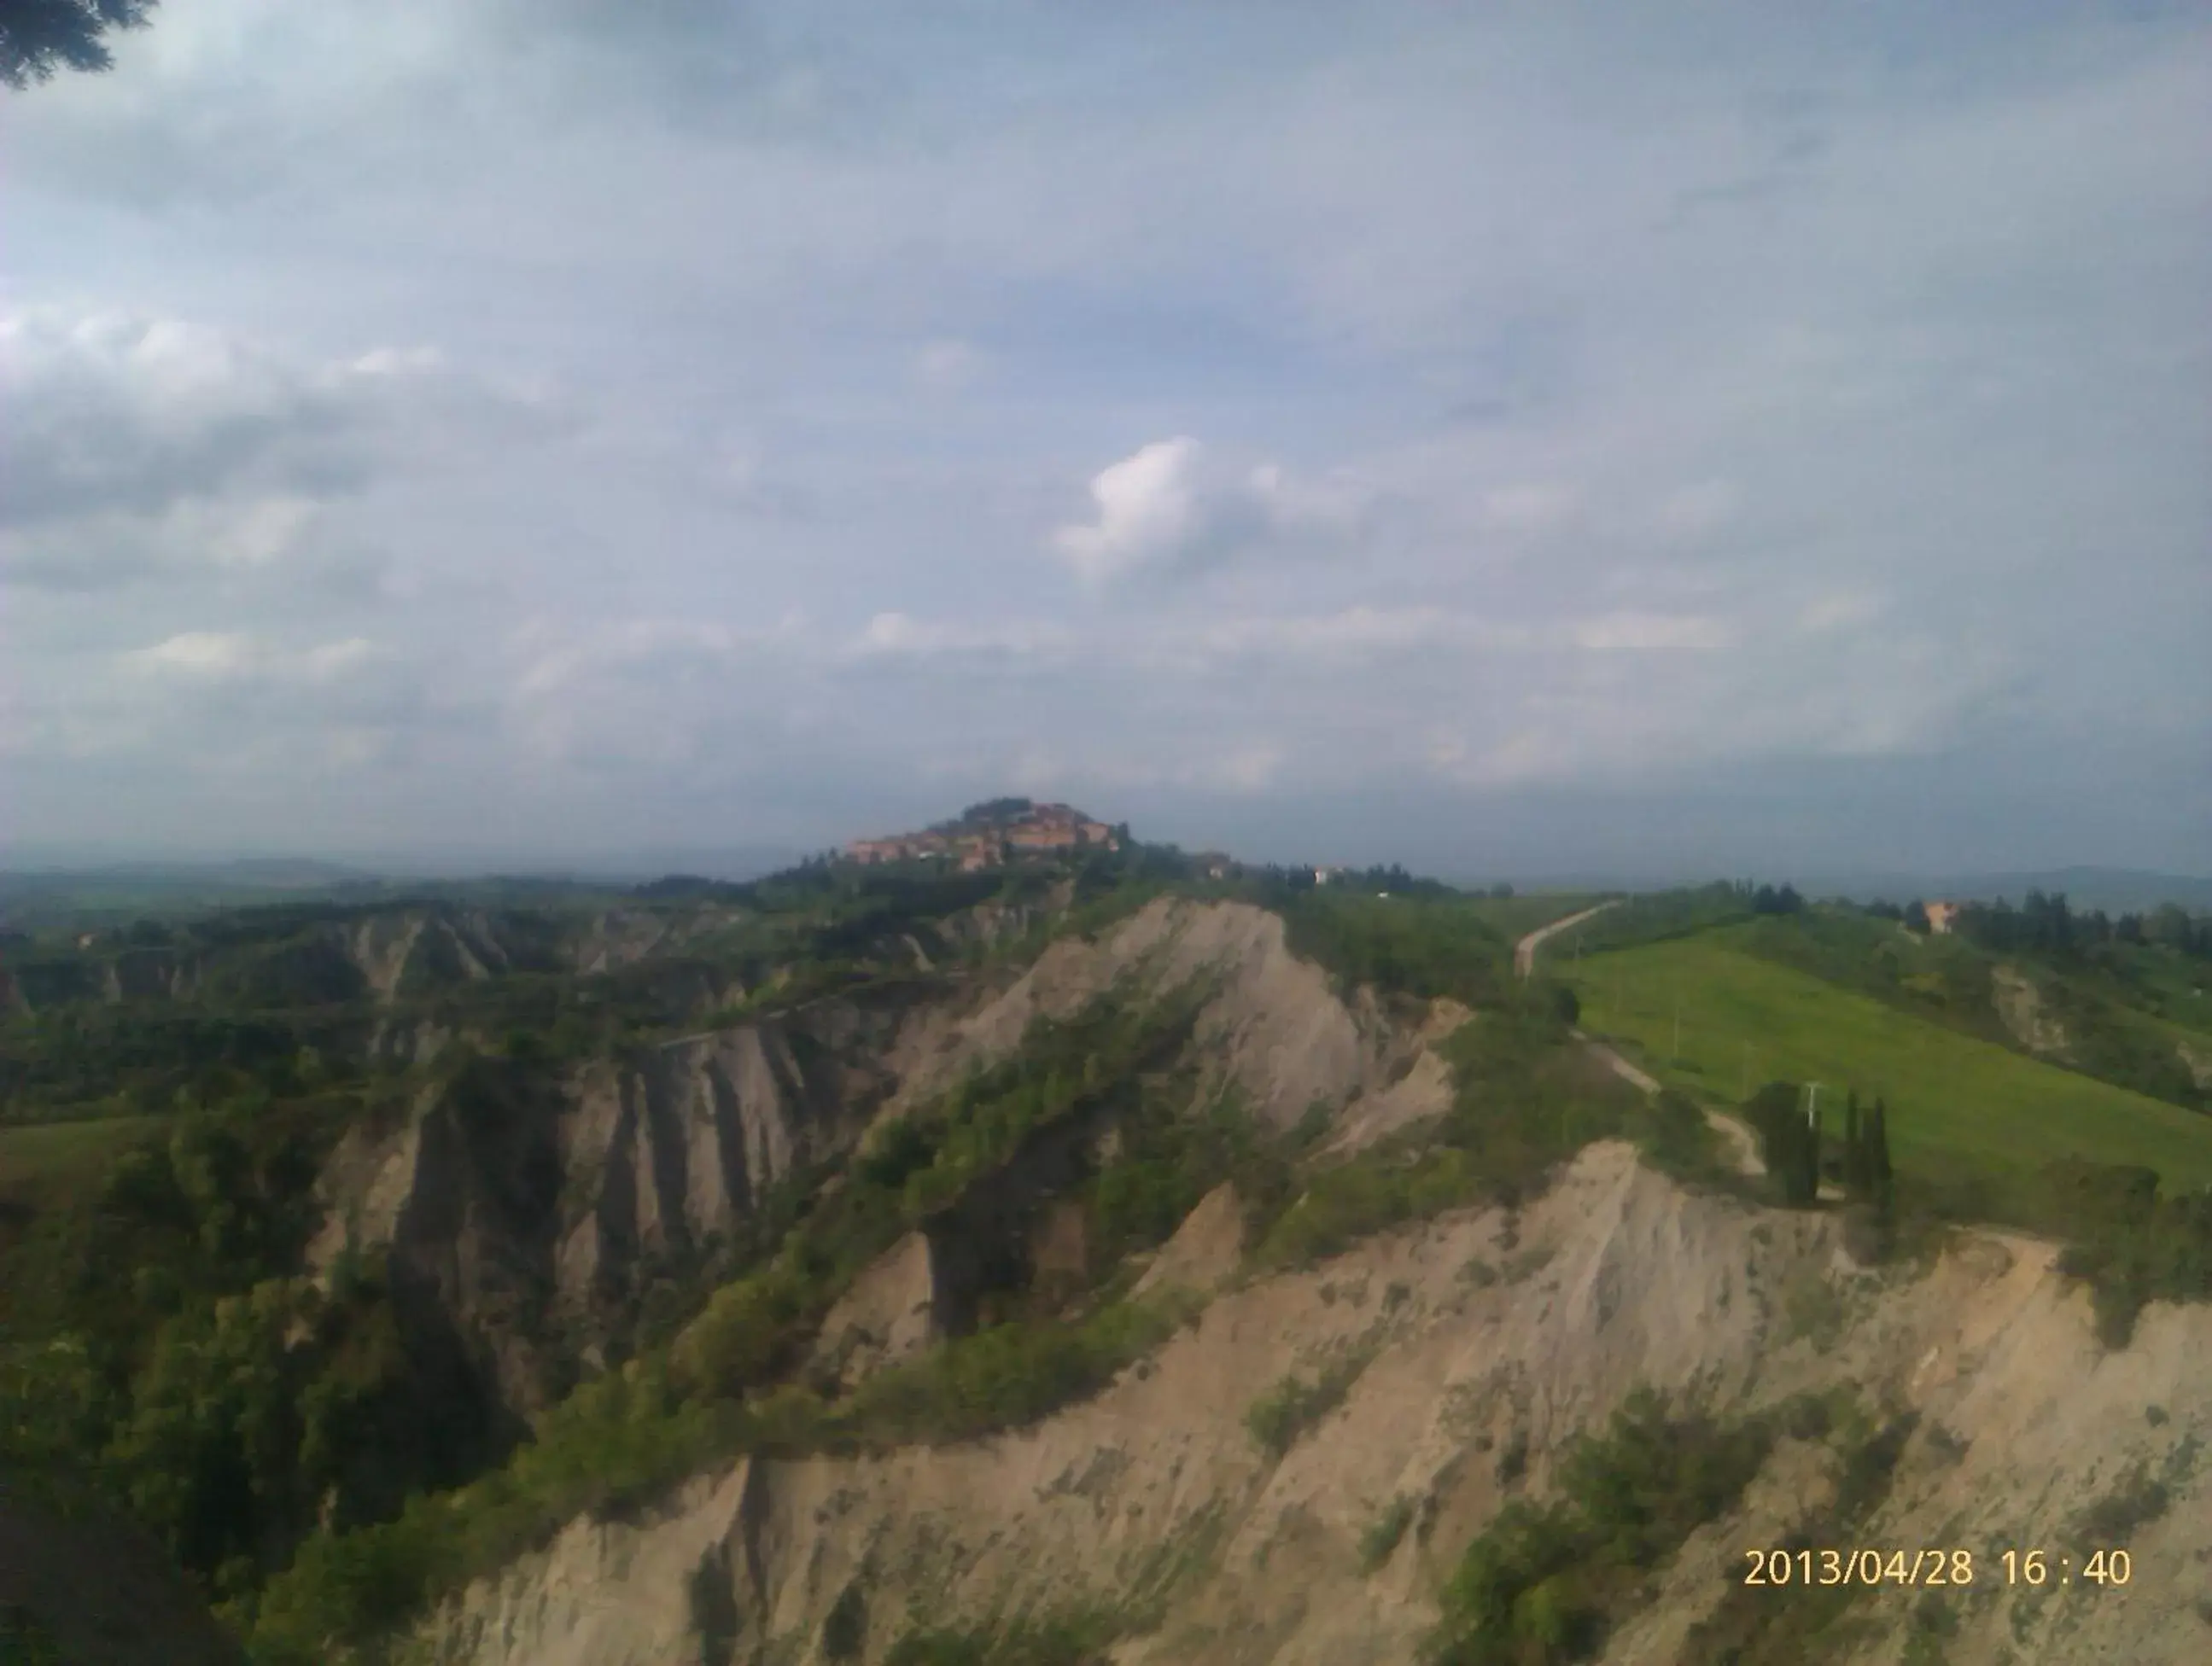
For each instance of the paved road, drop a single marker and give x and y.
(1524, 952)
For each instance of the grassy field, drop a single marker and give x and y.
(43, 1159)
(1962, 1111)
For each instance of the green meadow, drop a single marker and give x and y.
(1966, 1115)
(46, 1158)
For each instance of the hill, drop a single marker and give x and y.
(1108, 1253)
(1968, 1112)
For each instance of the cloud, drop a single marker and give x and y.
(1641, 631)
(949, 365)
(1790, 401)
(111, 412)
(144, 445)
(197, 653)
(1168, 507)
(231, 656)
(898, 637)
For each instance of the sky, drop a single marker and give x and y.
(1502, 439)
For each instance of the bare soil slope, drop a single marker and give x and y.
(1482, 1343)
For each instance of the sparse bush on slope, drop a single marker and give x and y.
(1544, 1584)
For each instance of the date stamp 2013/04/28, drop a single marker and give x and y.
(1930, 1567)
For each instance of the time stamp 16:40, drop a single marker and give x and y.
(1934, 1567)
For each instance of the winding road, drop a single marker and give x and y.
(1524, 952)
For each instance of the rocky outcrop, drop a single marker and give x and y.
(1273, 1026)
(1206, 1249)
(522, 1214)
(624, 936)
(890, 1314)
(2198, 1061)
(146, 974)
(2019, 1005)
(419, 951)
(661, 1157)
(1488, 1342)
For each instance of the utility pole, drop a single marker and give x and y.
(1744, 1093)
(1678, 1020)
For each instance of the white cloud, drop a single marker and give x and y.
(1169, 506)
(263, 532)
(334, 660)
(197, 653)
(231, 656)
(1636, 630)
(1655, 426)
(1148, 513)
(899, 636)
(949, 365)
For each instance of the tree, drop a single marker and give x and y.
(1880, 1177)
(1915, 916)
(38, 37)
(1788, 1139)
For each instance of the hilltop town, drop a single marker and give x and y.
(989, 834)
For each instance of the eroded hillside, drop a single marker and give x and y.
(1050, 1268)
(1468, 1354)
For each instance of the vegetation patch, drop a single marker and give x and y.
(1547, 1581)
(1085, 1639)
(1281, 1416)
(2129, 1244)
(2135, 1501)
(1753, 1627)
(1381, 1536)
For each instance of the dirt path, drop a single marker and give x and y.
(1743, 1149)
(1524, 952)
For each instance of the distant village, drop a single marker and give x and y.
(987, 835)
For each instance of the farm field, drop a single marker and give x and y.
(1961, 1109)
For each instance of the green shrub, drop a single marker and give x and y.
(845, 1627)
(1383, 1533)
(2111, 1519)
(1279, 1418)
(1082, 1639)
(1006, 1376)
(1420, 946)
(1544, 1582)
(2128, 1245)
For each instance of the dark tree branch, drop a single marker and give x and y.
(38, 37)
